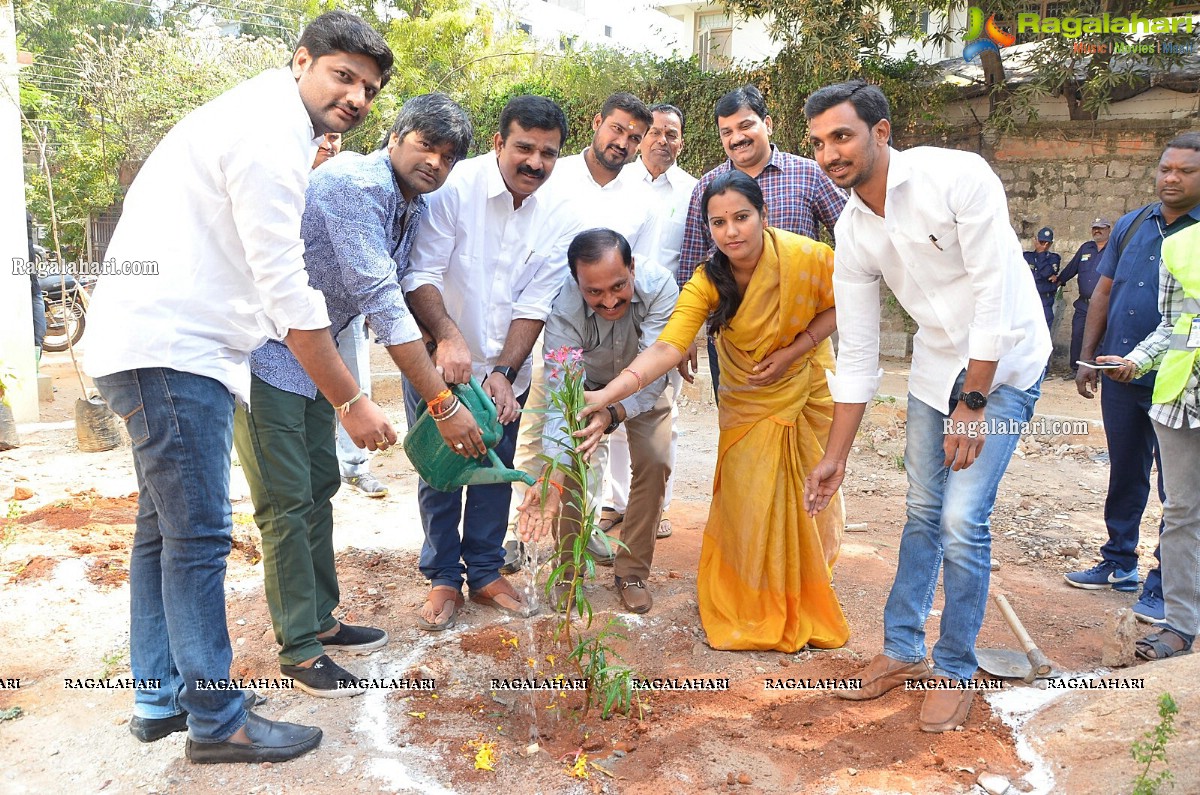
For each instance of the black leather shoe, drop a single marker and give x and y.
(150, 729)
(270, 741)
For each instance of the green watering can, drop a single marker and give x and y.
(446, 470)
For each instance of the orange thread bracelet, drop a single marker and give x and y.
(561, 491)
(811, 337)
(439, 399)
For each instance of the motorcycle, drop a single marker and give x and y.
(66, 301)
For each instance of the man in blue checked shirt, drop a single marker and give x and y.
(800, 197)
(361, 215)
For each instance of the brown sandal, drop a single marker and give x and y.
(609, 518)
(499, 589)
(439, 597)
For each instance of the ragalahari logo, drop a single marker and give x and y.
(983, 36)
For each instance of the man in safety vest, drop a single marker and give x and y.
(1174, 347)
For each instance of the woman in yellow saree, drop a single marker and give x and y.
(765, 566)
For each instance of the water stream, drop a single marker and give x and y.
(533, 565)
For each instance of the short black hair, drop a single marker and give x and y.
(1187, 140)
(591, 245)
(623, 100)
(868, 100)
(439, 119)
(748, 96)
(667, 107)
(341, 31)
(533, 113)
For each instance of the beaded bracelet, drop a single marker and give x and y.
(636, 375)
(344, 409)
(811, 337)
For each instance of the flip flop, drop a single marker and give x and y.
(609, 518)
(664, 529)
(439, 597)
(487, 595)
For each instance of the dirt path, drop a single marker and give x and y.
(64, 604)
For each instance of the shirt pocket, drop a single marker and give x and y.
(523, 274)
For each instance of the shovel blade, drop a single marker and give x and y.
(1003, 663)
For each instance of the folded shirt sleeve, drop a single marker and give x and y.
(358, 222)
(266, 183)
(985, 239)
(856, 296)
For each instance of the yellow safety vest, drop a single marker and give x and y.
(1181, 257)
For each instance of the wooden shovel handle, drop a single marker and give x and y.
(1039, 661)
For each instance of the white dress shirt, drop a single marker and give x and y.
(492, 264)
(948, 253)
(670, 193)
(619, 205)
(217, 205)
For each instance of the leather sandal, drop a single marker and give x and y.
(444, 600)
(609, 518)
(500, 588)
(664, 529)
(1157, 647)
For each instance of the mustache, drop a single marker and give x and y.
(536, 173)
(346, 107)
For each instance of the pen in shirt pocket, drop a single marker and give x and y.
(933, 240)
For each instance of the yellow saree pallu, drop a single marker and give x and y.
(765, 566)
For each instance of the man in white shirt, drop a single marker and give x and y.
(670, 189)
(590, 181)
(932, 223)
(489, 258)
(217, 206)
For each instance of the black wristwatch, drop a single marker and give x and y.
(612, 426)
(508, 372)
(974, 400)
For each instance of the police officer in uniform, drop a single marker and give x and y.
(1085, 264)
(1044, 265)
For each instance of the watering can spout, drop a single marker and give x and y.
(445, 470)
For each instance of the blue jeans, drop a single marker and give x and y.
(478, 554)
(949, 522)
(182, 430)
(1132, 448)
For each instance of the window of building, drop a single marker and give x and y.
(714, 41)
(608, 31)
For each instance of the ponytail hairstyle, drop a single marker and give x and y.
(718, 268)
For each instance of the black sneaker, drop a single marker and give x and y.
(324, 678)
(148, 730)
(357, 640)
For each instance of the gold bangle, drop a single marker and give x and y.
(344, 409)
